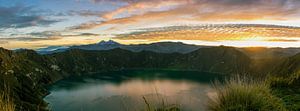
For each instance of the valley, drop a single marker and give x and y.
(27, 73)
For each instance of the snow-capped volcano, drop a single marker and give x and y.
(109, 42)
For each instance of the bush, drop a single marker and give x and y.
(244, 94)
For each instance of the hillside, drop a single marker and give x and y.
(266, 60)
(160, 47)
(27, 73)
(218, 59)
(289, 65)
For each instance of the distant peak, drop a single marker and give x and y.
(109, 42)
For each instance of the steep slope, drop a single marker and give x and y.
(25, 72)
(261, 52)
(217, 59)
(77, 61)
(289, 65)
(265, 60)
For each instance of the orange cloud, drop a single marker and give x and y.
(233, 32)
(144, 6)
(209, 11)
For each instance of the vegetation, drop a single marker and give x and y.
(162, 106)
(275, 92)
(6, 102)
(288, 89)
(244, 94)
(224, 60)
(28, 73)
(289, 66)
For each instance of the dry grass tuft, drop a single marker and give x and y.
(244, 94)
(6, 102)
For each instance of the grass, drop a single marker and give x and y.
(6, 103)
(162, 107)
(288, 89)
(244, 94)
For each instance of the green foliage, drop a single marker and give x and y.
(289, 66)
(284, 80)
(288, 89)
(25, 73)
(244, 94)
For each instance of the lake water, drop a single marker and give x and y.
(128, 90)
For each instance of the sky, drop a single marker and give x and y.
(241, 23)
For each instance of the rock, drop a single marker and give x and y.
(55, 68)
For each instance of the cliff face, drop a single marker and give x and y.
(26, 73)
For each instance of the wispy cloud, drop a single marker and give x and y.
(42, 21)
(20, 16)
(143, 6)
(221, 32)
(45, 35)
(143, 11)
(85, 13)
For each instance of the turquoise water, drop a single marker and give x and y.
(124, 91)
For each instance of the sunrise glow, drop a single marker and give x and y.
(240, 23)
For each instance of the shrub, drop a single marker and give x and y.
(244, 94)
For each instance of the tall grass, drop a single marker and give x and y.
(283, 81)
(244, 94)
(288, 89)
(6, 102)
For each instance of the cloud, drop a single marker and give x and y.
(219, 32)
(85, 13)
(88, 25)
(88, 34)
(147, 18)
(141, 12)
(57, 34)
(20, 16)
(45, 34)
(3, 41)
(28, 39)
(34, 36)
(143, 6)
(243, 10)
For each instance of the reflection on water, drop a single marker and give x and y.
(124, 91)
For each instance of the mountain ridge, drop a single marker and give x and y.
(160, 47)
(170, 47)
(28, 72)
